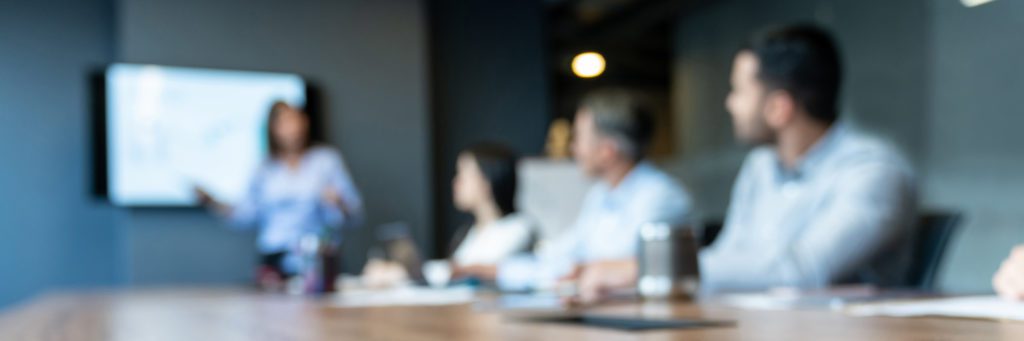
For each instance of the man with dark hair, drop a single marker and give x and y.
(612, 132)
(815, 203)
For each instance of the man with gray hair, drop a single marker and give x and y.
(816, 203)
(612, 133)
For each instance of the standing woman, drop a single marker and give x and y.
(302, 188)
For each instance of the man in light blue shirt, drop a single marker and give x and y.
(816, 202)
(612, 132)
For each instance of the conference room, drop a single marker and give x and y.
(529, 169)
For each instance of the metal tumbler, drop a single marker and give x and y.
(668, 262)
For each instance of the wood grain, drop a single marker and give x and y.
(237, 314)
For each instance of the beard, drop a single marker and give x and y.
(759, 134)
(756, 131)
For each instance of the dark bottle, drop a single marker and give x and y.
(319, 264)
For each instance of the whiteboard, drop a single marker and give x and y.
(170, 129)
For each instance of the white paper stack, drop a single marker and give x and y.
(404, 296)
(979, 307)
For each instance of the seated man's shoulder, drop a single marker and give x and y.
(760, 155)
(758, 160)
(659, 186)
(655, 176)
(866, 150)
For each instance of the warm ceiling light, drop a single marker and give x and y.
(588, 65)
(974, 3)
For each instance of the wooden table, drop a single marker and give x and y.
(237, 314)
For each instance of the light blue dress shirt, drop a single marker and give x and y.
(287, 203)
(606, 228)
(850, 198)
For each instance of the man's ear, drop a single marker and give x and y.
(779, 109)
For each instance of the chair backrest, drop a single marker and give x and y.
(932, 235)
(551, 192)
(712, 227)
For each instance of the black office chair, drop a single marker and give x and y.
(933, 232)
(712, 227)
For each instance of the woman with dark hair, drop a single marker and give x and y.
(303, 188)
(485, 186)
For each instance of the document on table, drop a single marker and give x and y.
(542, 301)
(980, 307)
(791, 298)
(403, 296)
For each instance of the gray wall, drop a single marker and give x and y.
(940, 80)
(368, 58)
(490, 84)
(973, 133)
(52, 234)
(885, 53)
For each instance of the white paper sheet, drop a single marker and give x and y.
(404, 296)
(982, 307)
(791, 298)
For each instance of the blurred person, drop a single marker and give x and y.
(557, 146)
(816, 202)
(1009, 280)
(612, 132)
(302, 188)
(485, 186)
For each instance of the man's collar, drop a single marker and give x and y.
(627, 182)
(812, 159)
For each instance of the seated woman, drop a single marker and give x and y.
(301, 189)
(485, 187)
